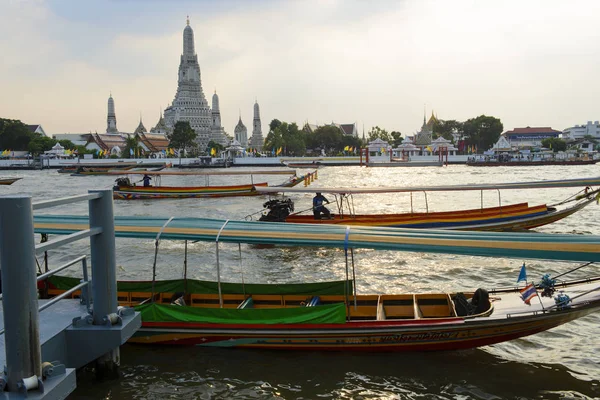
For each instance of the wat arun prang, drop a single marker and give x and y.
(190, 104)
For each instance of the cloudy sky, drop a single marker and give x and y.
(529, 63)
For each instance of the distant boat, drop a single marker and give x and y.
(125, 190)
(530, 163)
(8, 181)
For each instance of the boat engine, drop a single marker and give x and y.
(120, 182)
(278, 210)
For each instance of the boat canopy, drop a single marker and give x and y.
(582, 182)
(493, 244)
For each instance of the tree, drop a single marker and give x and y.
(182, 137)
(555, 144)
(274, 140)
(445, 129)
(329, 137)
(67, 144)
(214, 145)
(482, 131)
(397, 138)
(378, 133)
(132, 145)
(14, 135)
(40, 144)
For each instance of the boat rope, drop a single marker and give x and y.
(156, 254)
(582, 194)
(573, 270)
(218, 266)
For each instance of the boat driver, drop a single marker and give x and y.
(319, 208)
(146, 180)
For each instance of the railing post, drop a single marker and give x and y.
(19, 290)
(104, 275)
(104, 278)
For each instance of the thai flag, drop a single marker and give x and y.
(528, 293)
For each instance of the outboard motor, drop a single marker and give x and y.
(120, 182)
(278, 210)
(481, 301)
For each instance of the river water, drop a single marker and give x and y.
(558, 364)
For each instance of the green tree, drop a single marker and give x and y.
(182, 137)
(555, 144)
(67, 144)
(329, 137)
(482, 131)
(214, 145)
(132, 144)
(39, 144)
(379, 133)
(396, 138)
(445, 129)
(273, 141)
(293, 139)
(14, 135)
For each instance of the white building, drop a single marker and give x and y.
(217, 133)
(257, 140)
(580, 131)
(241, 133)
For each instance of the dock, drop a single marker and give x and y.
(44, 342)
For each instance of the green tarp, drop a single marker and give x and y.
(209, 287)
(325, 314)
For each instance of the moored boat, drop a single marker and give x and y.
(331, 316)
(519, 216)
(124, 189)
(8, 181)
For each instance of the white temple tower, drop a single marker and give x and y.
(189, 103)
(217, 133)
(257, 137)
(111, 119)
(241, 133)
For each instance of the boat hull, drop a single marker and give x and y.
(529, 163)
(173, 192)
(372, 336)
(514, 217)
(8, 181)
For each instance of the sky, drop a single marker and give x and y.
(375, 63)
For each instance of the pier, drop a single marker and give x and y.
(44, 342)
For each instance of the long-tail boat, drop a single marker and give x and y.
(332, 315)
(124, 189)
(8, 181)
(519, 216)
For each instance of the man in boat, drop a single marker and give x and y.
(146, 180)
(319, 208)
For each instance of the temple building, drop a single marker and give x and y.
(111, 119)
(217, 133)
(160, 127)
(190, 104)
(241, 133)
(257, 140)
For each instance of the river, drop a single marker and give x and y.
(561, 363)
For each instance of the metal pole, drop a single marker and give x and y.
(184, 269)
(104, 274)
(19, 290)
(104, 261)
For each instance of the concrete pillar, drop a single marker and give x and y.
(19, 290)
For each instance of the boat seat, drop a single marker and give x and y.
(293, 300)
(248, 303)
(212, 300)
(314, 301)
